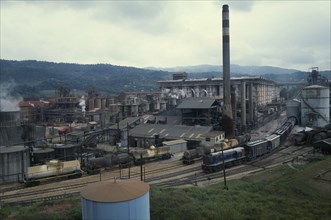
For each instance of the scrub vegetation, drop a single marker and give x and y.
(283, 192)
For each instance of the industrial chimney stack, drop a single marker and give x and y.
(227, 110)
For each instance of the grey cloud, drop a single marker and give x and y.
(244, 5)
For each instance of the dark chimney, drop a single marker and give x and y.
(227, 110)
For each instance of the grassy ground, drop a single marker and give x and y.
(280, 193)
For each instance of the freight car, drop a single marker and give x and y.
(214, 161)
(190, 156)
(136, 157)
(153, 153)
(94, 165)
(253, 149)
(52, 170)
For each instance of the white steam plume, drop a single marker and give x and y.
(82, 104)
(8, 103)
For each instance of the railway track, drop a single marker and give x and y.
(169, 174)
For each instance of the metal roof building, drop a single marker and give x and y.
(143, 135)
(170, 132)
(116, 200)
(201, 103)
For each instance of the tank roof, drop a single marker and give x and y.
(315, 87)
(12, 149)
(42, 150)
(111, 191)
(65, 146)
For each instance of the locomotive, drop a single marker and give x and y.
(190, 156)
(251, 150)
(214, 161)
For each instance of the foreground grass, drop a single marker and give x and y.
(281, 193)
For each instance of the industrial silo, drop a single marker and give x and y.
(293, 110)
(116, 200)
(41, 155)
(65, 152)
(10, 128)
(14, 161)
(97, 103)
(91, 104)
(315, 106)
(103, 103)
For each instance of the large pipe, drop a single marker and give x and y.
(250, 104)
(243, 106)
(227, 110)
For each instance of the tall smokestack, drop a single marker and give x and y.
(227, 111)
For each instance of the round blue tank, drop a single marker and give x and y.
(116, 200)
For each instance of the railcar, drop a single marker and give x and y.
(273, 141)
(153, 153)
(190, 156)
(214, 161)
(121, 159)
(52, 170)
(257, 148)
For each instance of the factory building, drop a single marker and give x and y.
(146, 135)
(263, 91)
(248, 96)
(202, 111)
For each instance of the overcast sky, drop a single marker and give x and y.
(288, 34)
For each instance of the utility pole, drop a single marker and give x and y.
(224, 175)
(127, 131)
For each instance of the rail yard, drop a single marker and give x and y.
(162, 173)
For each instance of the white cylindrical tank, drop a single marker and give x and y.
(315, 111)
(116, 200)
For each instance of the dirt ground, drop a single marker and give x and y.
(268, 128)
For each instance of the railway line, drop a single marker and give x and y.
(161, 174)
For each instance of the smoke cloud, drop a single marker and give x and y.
(82, 104)
(8, 102)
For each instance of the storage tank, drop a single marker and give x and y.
(97, 103)
(14, 161)
(116, 200)
(103, 103)
(10, 128)
(91, 104)
(41, 155)
(315, 106)
(293, 110)
(65, 152)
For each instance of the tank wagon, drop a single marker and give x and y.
(54, 169)
(125, 159)
(151, 154)
(121, 159)
(252, 149)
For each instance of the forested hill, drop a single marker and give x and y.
(31, 77)
(35, 79)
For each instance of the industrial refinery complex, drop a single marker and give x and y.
(205, 123)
